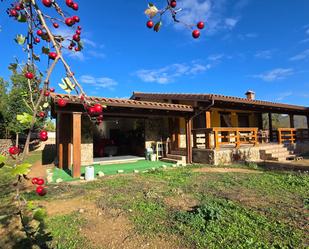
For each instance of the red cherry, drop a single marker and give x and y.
(91, 110)
(29, 75)
(43, 135)
(69, 21)
(17, 7)
(52, 90)
(98, 108)
(76, 37)
(149, 24)
(47, 3)
(75, 6)
(70, 47)
(200, 25)
(34, 180)
(100, 117)
(78, 32)
(173, 3)
(42, 114)
(82, 97)
(37, 40)
(14, 150)
(69, 3)
(46, 93)
(61, 102)
(41, 191)
(77, 49)
(39, 32)
(76, 18)
(196, 34)
(79, 27)
(56, 25)
(40, 182)
(52, 55)
(13, 13)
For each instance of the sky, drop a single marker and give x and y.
(259, 45)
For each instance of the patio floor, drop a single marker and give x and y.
(111, 169)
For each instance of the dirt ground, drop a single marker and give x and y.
(109, 229)
(226, 170)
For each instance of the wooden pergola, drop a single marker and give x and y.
(69, 122)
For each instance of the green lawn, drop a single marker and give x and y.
(112, 169)
(186, 209)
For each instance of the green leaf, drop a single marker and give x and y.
(150, 5)
(2, 159)
(157, 26)
(35, 57)
(13, 67)
(20, 39)
(67, 85)
(22, 18)
(45, 50)
(22, 169)
(39, 214)
(45, 105)
(24, 118)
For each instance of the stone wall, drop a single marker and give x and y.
(226, 156)
(5, 144)
(87, 142)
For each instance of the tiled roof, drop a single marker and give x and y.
(116, 102)
(216, 97)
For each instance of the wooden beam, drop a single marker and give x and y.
(208, 119)
(76, 144)
(270, 123)
(188, 140)
(291, 120)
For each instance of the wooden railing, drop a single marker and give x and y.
(217, 137)
(292, 135)
(286, 135)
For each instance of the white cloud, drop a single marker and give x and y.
(96, 54)
(213, 12)
(231, 22)
(282, 96)
(169, 73)
(275, 74)
(100, 82)
(304, 40)
(264, 54)
(301, 56)
(307, 31)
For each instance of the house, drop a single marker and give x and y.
(205, 128)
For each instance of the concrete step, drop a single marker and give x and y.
(179, 152)
(283, 158)
(176, 157)
(169, 160)
(278, 154)
(273, 150)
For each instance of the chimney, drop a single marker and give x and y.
(250, 95)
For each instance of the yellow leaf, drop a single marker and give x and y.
(151, 11)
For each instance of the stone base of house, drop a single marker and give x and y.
(225, 156)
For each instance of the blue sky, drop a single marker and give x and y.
(258, 44)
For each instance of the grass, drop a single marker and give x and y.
(141, 165)
(200, 210)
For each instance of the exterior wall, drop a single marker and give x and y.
(228, 156)
(156, 129)
(215, 117)
(182, 135)
(87, 142)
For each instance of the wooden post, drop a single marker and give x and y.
(76, 144)
(308, 121)
(59, 141)
(291, 121)
(208, 119)
(188, 140)
(270, 122)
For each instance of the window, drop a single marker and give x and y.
(225, 119)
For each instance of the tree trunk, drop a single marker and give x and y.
(17, 139)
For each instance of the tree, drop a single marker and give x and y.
(3, 107)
